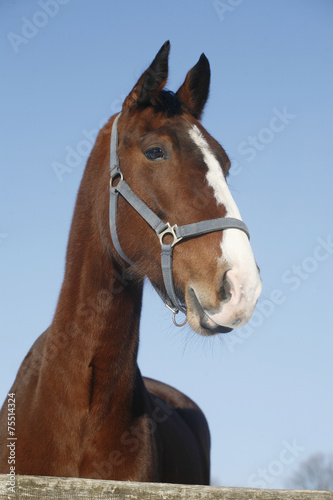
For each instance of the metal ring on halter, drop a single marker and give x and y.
(174, 319)
(115, 175)
(171, 231)
(175, 312)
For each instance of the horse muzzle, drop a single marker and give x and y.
(233, 311)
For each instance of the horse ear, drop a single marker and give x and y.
(194, 91)
(152, 81)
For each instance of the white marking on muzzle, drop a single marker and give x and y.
(237, 255)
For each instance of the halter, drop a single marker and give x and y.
(161, 228)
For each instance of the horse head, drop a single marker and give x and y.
(179, 171)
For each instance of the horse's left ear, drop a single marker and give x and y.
(151, 81)
(194, 91)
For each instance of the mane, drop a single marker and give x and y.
(165, 102)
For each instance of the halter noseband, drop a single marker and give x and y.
(178, 233)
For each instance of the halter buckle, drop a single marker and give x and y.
(172, 231)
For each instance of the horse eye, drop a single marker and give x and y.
(155, 153)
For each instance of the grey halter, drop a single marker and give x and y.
(161, 228)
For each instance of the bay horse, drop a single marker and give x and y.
(82, 408)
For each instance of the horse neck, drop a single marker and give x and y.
(95, 331)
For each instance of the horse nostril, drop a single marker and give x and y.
(225, 289)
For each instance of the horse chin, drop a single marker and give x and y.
(199, 321)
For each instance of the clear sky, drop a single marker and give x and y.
(66, 66)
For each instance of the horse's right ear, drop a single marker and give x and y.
(194, 91)
(152, 81)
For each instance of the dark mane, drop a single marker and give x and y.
(165, 102)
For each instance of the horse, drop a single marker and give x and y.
(82, 407)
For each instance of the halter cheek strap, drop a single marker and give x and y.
(118, 186)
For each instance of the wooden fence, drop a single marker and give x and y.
(37, 487)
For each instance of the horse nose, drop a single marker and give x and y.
(225, 289)
(239, 296)
(231, 288)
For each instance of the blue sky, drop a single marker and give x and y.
(266, 389)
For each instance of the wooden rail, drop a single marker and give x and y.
(37, 487)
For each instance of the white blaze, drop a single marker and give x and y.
(236, 249)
